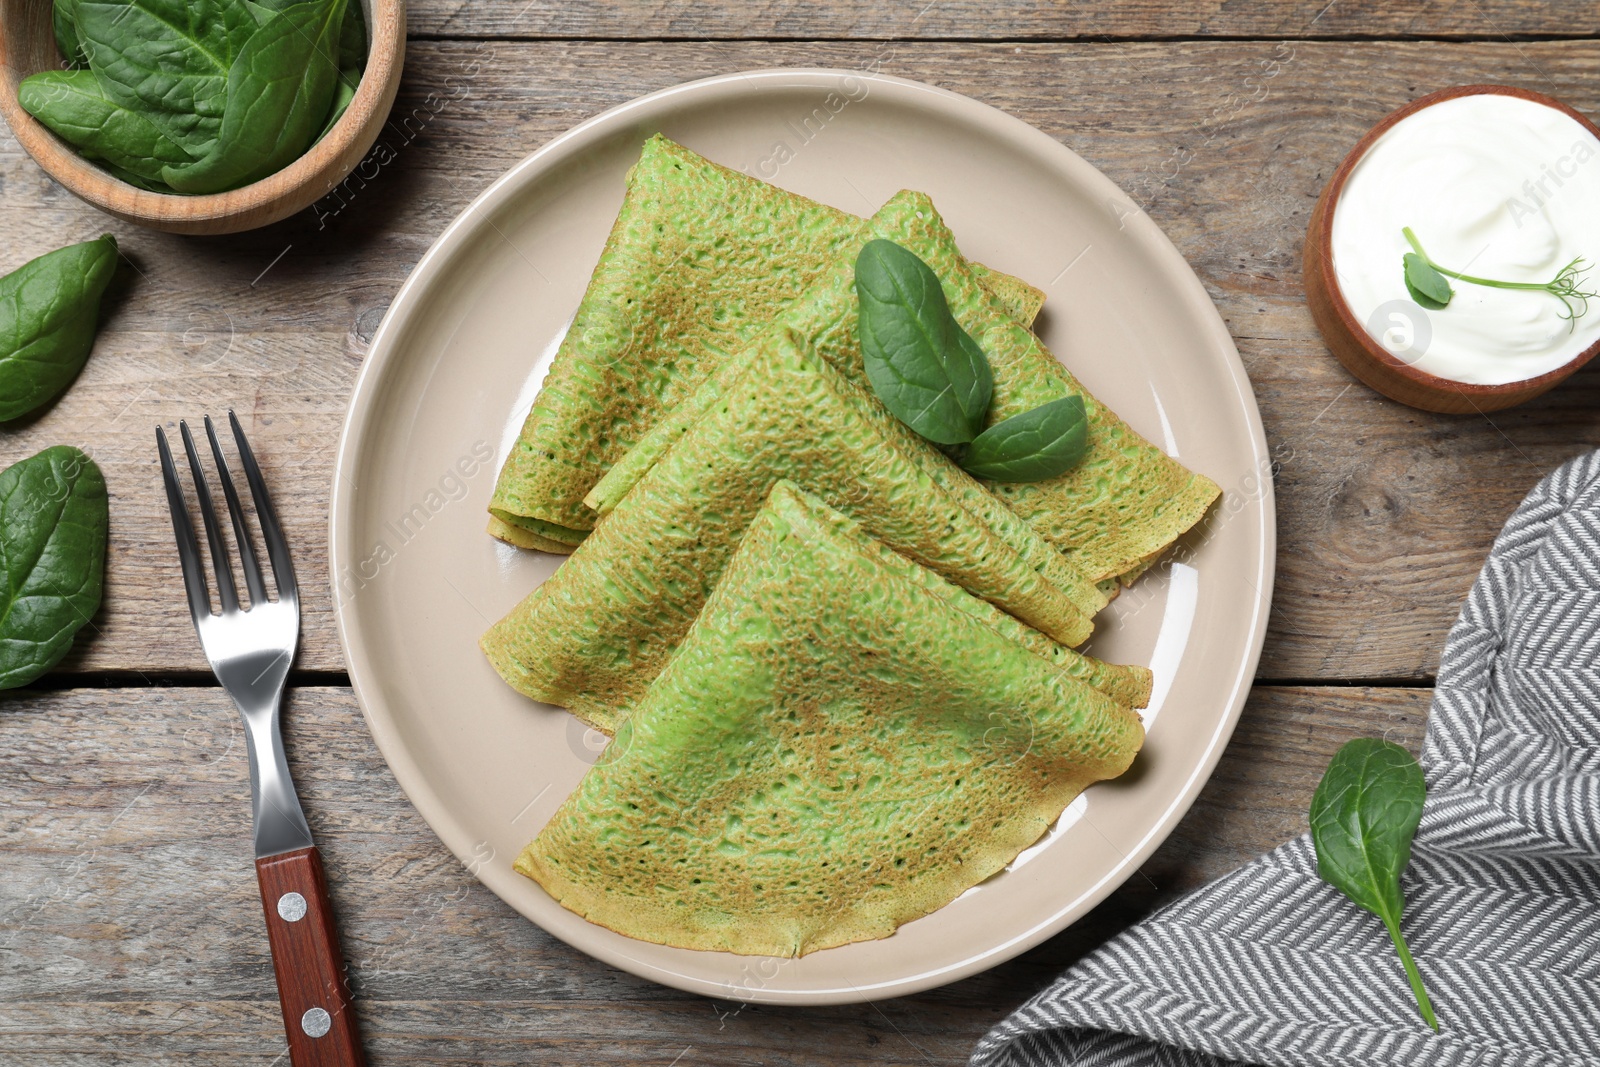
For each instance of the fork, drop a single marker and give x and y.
(249, 649)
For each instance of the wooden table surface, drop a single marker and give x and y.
(130, 930)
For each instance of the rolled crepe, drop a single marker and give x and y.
(700, 260)
(836, 749)
(594, 634)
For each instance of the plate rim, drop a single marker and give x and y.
(381, 353)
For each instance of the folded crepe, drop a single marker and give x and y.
(835, 750)
(1111, 515)
(809, 326)
(594, 635)
(699, 261)
(1120, 507)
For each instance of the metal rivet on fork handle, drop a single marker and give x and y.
(292, 907)
(316, 1022)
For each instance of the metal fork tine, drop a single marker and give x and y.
(271, 532)
(194, 575)
(247, 553)
(226, 593)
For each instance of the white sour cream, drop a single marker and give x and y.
(1494, 186)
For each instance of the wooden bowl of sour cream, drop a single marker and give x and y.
(1496, 182)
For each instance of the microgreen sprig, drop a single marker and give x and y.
(1425, 281)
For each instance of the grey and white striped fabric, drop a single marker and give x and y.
(1271, 966)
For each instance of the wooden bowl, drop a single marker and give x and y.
(1347, 337)
(27, 46)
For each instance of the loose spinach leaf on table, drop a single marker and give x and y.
(48, 311)
(1363, 816)
(72, 103)
(63, 19)
(921, 363)
(53, 520)
(1031, 446)
(279, 91)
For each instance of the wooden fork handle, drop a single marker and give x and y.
(312, 986)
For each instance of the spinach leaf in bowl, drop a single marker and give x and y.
(352, 56)
(48, 311)
(54, 516)
(64, 20)
(279, 90)
(73, 104)
(167, 59)
(353, 39)
(342, 95)
(199, 96)
(352, 62)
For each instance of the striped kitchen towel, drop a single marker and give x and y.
(1270, 965)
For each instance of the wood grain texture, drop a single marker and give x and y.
(128, 917)
(319, 1018)
(1385, 513)
(131, 926)
(1019, 20)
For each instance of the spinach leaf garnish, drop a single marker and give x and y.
(48, 311)
(935, 378)
(921, 363)
(53, 521)
(1034, 445)
(1425, 284)
(1363, 816)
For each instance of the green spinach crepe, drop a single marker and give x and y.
(698, 262)
(1126, 500)
(836, 749)
(593, 635)
(1110, 515)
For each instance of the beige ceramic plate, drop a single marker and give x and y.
(468, 339)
